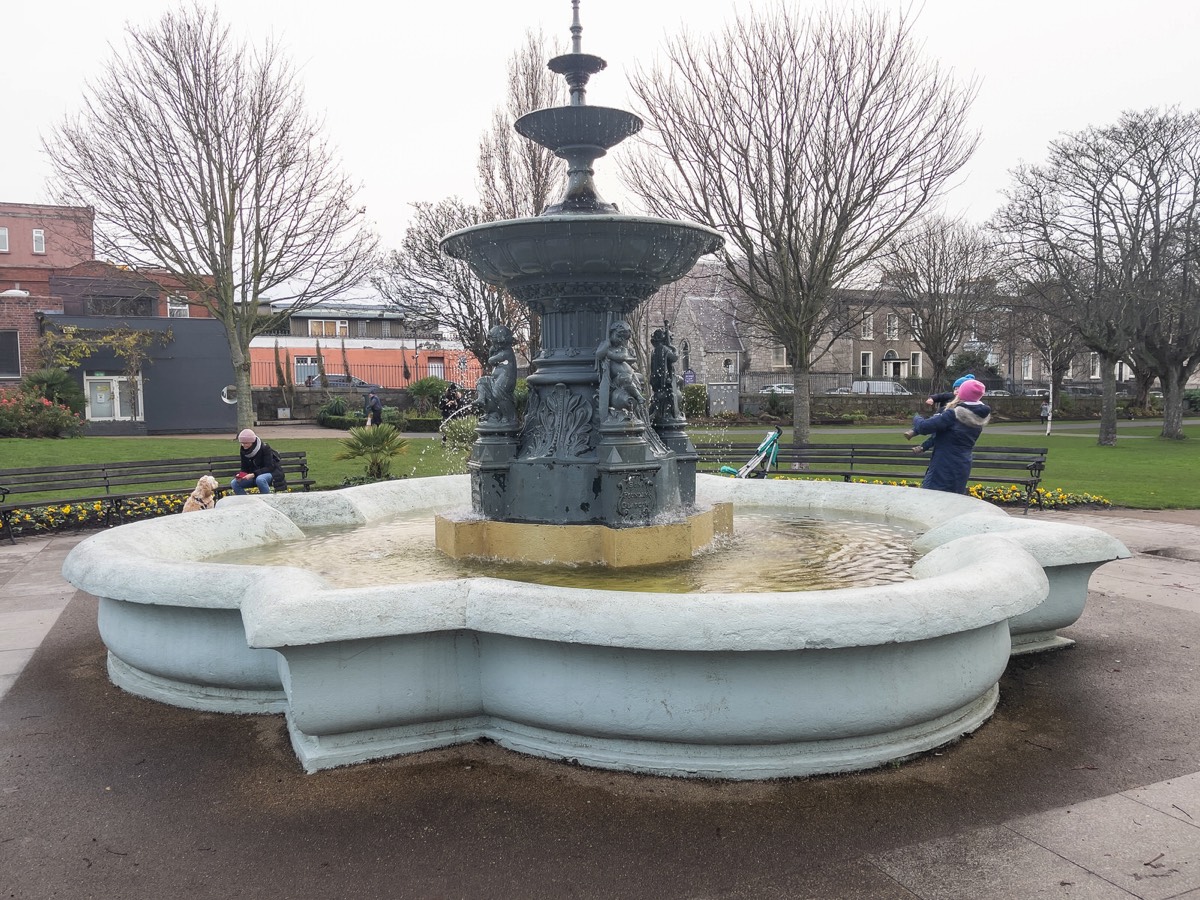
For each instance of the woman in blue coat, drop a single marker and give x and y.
(953, 433)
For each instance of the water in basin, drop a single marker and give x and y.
(771, 550)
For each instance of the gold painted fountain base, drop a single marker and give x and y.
(583, 544)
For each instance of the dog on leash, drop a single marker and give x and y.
(204, 496)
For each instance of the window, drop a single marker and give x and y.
(865, 364)
(328, 328)
(3, 239)
(10, 354)
(385, 328)
(112, 398)
(1027, 368)
(914, 365)
(437, 367)
(893, 327)
(177, 308)
(39, 240)
(868, 327)
(779, 358)
(1093, 365)
(362, 327)
(306, 367)
(914, 325)
(119, 306)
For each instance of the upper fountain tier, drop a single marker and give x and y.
(581, 236)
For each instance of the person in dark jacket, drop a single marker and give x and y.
(261, 466)
(374, 409)
(954, 432)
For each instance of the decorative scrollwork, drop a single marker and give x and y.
(558, 426)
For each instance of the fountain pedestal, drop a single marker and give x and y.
(583, 544)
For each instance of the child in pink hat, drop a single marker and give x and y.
(953, 433)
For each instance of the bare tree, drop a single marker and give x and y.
(1037, 302)
(516, 175)
(1165, 151)
(434, 289)
(809, 143)
(1112, 217)
(199, 159)
(946, 273)
(515, 179)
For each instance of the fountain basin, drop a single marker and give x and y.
(720, 685)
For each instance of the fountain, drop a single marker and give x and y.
(593, 451)
(724, 684)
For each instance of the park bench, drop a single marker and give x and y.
(1021, 466)
(113, 484)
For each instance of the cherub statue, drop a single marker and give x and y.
(494, 393)
(663, 380)
(619, 381)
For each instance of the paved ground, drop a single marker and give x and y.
(1085, 783)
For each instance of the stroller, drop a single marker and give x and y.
(763, 460)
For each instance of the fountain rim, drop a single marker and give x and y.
(582, 221)
(948, 594)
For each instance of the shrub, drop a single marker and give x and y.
(376, 445)
(25, 414)
(58, 387)
(426, 392)
(521, 395)
(459, 433)
(425, 424)
(340, 423)
(695, 401)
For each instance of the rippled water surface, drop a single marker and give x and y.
(769, 551)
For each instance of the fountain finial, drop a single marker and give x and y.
(577, 67)
(576, 29)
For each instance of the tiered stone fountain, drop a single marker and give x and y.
(732, 685)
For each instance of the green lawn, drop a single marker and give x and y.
(1142, 471)
(424, 456)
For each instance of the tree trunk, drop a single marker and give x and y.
(801, 406)
(1172, 382)
(240, 357)
(1108, 403)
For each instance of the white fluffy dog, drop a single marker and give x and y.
(204, 496)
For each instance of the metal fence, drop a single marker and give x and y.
(263, 373)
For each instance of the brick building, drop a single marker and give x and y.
(35, 240)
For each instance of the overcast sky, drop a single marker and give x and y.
(407, 88)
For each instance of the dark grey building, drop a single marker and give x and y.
(180, 383)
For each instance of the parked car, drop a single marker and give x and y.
(778, 389)
(838, 390)
(1000, 393)
(339, 382)
(879, 387)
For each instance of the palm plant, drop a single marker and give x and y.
(376, 445)
(57, 386)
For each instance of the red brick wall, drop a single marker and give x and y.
(19, 313)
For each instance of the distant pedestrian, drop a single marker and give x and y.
(1044, 412)
(374, 409)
